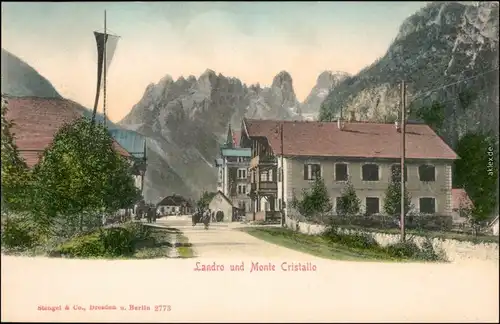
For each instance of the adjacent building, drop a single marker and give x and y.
(287, 156)
(222, 207)
(174, 204)
(37, 120)
(232, 166)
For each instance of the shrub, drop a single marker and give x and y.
(117, 241)
(18, 233)
(138, 231)
(83, 246)
(403, 250)
(349, 203)
(354, 240)
(410, 250)
(107, 242)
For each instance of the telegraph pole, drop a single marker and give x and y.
(282, 176)
(403, 153)
(105, 68)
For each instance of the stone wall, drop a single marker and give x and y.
(453, 250)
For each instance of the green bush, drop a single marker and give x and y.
(410, 250)
(117, 241)
(403, 250)
(107, 242)
(365, 241)
(83, 246)
(18, 233)
(353, 240)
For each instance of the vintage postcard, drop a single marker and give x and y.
(250, 162)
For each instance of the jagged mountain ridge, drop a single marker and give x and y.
(441, 44)
(187, 119)
(325, 83)
(185, 122)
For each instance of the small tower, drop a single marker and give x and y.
(229, 139)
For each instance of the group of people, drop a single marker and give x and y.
(151, 214)
(203, 216)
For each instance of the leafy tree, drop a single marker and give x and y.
(205, 199)
(476, 171)
(392, 200)
(81, 177)
(315, 202)
(349, 203)
(15, 173)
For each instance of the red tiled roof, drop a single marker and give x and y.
(357, 139)
(459, 198)
(37, 120)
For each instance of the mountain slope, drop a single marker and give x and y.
(325, 83)
(21, 80)
(187, 119)
(443, 43)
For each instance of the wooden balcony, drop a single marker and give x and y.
(263, 160)
(264, 187)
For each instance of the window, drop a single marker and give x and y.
(241, 159)
(270, 175)
(427, 173)
(242, 174)
(372, 206)
(427, 205)
(242, 189)
(370, 172)
(242, 205)
(312, 171)
(396, 173)
(341, 172)
(280, 174)
(263, 176)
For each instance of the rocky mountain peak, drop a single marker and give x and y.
(436, 49)
(327, 79)
(282, 79)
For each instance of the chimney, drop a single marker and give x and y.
(396, 123)
(353, 117)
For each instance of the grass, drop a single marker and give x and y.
(184, 247)
(317, 245)
(157, 245)
(431, 234)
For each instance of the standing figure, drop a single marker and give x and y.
(206, 219)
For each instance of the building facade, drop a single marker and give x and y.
(222, 207)
(288, 156)
(232, 166)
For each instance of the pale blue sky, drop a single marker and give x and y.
(249, 40)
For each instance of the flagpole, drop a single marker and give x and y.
(105, 68)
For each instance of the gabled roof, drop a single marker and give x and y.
(356, 139)
(223, 196)
(459, 199)
(37, 120)
(174, 200)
